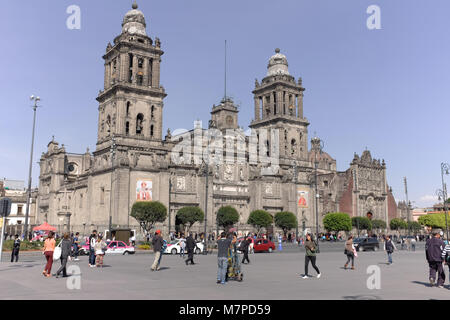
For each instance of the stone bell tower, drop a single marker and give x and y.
(131, 104)
(279, 105)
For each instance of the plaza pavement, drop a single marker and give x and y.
(271, 276)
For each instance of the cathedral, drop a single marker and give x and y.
(273, 167)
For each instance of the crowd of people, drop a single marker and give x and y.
(436, 250)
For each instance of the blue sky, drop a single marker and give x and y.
(386, 89)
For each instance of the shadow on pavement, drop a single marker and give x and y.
(362, 297)
(426, 284)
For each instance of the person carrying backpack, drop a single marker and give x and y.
(446, 256)
(16, 249)
(244, 248)
(389, 246)
(434, 248)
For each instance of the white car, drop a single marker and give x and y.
(173, 247)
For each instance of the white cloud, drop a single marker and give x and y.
(427, 200)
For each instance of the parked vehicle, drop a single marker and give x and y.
(366, 244)
(173, 247)
(113, 247)
(263, 245)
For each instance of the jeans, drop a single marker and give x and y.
(222, 268)
(190, 256)
(92, 257)
(15, 253)
(182, 252)
(245, 256)
(75, 251)
(389, 257)
(49, 257)
(313, 262)
(436, 266)
(350, 257)
(157, 260)
(62, 268)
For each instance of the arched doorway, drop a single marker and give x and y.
(178, 225)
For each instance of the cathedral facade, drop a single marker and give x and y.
(269, 167)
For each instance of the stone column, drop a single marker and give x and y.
(155, 72)
(300, 105)
(257, 116)
(280, 100)
(272, 104)
(135, 69)
(107, 75)
(145, 72)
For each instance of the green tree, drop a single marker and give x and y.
(188, 216)
(148, 213)
(363, 223)
(378, 224)
(414, 226)
(260, 219)
(398, 224)
(286, 221)
(227, 216)
(337, 221)
(435, 220)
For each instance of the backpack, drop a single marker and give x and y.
(164, 246)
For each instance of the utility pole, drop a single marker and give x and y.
(407, 205)
(206, 203)
(27, 210)
(295, 180)
(113, 153)
(170, 199)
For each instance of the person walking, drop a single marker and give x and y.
(310, 255)
(100, 249)
(49, 247)
(76, 246)
(182, 246)
(66, 245)
(223, 245)
(413, 244)
(434, 250)
(16, 249)
(389, 247)
(190, 246)
(157, 243)
(350, 252)
(446, 257)
(92, 239)
(245, 244)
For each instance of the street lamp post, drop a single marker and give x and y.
(317, 146)
(27, 209)
(113, 153)
(206, 204)
(295, 180)
(407, 205)
(445, 167)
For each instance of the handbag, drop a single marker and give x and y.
(57, 252)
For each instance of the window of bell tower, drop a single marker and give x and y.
(127, 128)
(128, 108)
(139, 121)
(152, 113)
(151, 130)
(229, 120)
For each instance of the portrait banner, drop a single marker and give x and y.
(144, 190)
(302, 198)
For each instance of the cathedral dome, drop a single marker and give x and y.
(277, 64)
(134, 22)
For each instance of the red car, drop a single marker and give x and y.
(263, 245)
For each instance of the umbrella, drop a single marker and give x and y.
(44, 227)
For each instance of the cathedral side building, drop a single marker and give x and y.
(133, 161)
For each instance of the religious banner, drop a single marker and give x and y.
(302, 198)
(144, 190)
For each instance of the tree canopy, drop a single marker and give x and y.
(363, 223)
(435, 220)
(227, 216)
(286, 221)
(337, 221)
(260, 219)
(378, 224)
(398, 224)
(188, 216)
(148, 213)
